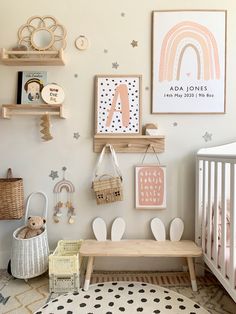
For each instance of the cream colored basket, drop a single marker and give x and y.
(64, 267)
(29, 257)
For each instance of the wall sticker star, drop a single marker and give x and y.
(207, 137)
(54, 174)
(76, 135)
(134, 43)
(115, 65)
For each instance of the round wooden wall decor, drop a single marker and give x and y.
(82, 43)
(42, 33)
(53, 94)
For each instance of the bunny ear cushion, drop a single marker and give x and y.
(99, 229)
(158, 229)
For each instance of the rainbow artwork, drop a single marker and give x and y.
(64, 184)
(189, 61)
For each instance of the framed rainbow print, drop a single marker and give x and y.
(150, 186)
(118, 104)
(189, 61)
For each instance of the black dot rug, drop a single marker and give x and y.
(122, 297)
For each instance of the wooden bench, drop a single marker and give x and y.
(140, 248)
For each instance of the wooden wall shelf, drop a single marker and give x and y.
(32, 110)
(9, 57)
(130, 144)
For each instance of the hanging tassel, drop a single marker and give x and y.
(45, 124)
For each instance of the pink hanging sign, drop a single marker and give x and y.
(150, 186)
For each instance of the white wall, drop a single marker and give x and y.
(22, 149)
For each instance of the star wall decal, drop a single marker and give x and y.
(115, 65)
(134, 43)
(76, 135)
(54, 174)
(207, 137)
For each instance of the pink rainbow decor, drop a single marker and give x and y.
(64, 184)
(60, 201)
(177, 40)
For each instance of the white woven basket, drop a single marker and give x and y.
(29, 257)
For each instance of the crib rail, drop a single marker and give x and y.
(215, 228)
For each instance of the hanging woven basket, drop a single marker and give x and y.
(11, 197)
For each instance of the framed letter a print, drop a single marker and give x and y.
(118, 104)
(150, 187)
(189, 57)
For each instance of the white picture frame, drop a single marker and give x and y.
(118, 104)
(189, 61)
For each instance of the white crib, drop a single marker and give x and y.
(215, 221)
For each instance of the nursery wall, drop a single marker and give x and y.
(110, 25)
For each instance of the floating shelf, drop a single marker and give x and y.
(32, 110)
(9, 57)
(130, 144)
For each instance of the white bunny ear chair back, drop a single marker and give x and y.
(117, 229)
(176, 229)
(158, 229)
(99, 229)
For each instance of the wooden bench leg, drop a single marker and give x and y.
(192, 273)
(185, 265)
(88, 272)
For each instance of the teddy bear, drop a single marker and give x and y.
(33, 228)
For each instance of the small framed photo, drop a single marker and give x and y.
(150, 187)
(118, 104)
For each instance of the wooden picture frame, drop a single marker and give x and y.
(150, 186)
(118, 104)
(189, 61)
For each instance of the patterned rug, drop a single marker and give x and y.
(26, 297)
(122, 297)
(162, 279)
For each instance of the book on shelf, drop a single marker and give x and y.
(30, 85)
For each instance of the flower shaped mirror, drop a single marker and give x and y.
(42, 33)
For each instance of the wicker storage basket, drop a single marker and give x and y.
(64, 267)
(29, 257)
(11, 197)
(108, 190)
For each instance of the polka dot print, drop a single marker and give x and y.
(122, 297)
(114, 114)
